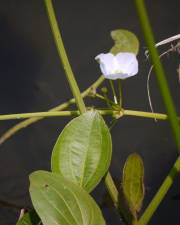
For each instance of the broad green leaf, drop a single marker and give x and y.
(29, 218)
(125, 41)
(59, 201)
(83, 150)
(133, 183)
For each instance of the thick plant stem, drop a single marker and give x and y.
(63, 56)
(160, 194)
(116, 199)
(160, 74)
(104, 112)
(56, 111)
(13, 130)
(62, 53)
(163, 86)
(149, 115)
(38, 114)
(112, 190)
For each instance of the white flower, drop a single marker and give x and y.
(120, 66)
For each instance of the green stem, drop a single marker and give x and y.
(172, 116)
(125, 112)
(103, 112)
(38, 114)
(160, 74)
(112, 190)
(160, 194)
(113, 91)
(106, 99)
(63, 56)
(13, 130)
(62, 53)
(159, 116)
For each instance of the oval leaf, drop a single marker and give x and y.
(125, 41)
(133, 183)
(83, 150)
(59, 201)
(29, 218)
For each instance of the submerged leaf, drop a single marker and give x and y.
(125, 41)
(133, 183)
(61, 202)
(82, 153)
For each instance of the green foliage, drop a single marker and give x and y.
(60, 201)
(29, 218)
(125, 41)
(133, 183)
(82, 153)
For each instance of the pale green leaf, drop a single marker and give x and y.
(59, 201)
(133, 182)
(83, 150)
(125, 41)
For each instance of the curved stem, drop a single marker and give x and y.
(63, 56)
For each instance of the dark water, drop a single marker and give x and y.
(32, 80)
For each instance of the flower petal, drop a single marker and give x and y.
(115, 76)
(107, 62)
(121, 66)
(127, 63)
